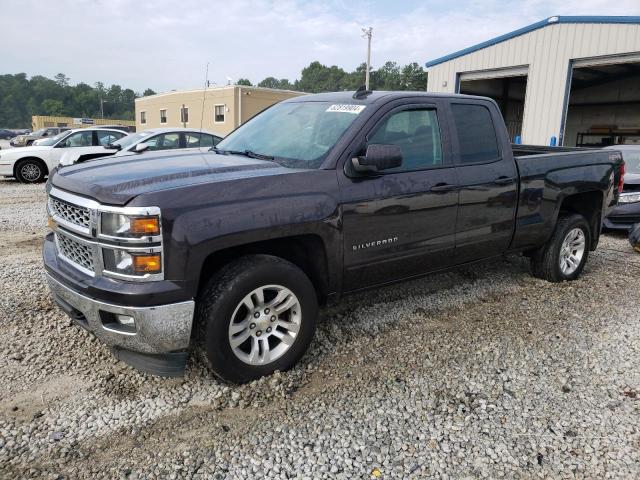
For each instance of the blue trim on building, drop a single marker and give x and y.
(531, 28)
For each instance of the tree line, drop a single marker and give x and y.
(22, 97)
(317, 78)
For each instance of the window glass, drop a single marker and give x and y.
(192, 140)
(105, 137)
(296, 134)
(207, 141)
(165, 141)
(417, 134)
(218, 114)
(78, 139)
(143, 117)
(163, 116)
(476, 134)
(184, 115)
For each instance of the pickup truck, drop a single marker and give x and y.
(230, 252)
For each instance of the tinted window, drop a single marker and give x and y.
(78, 139)
(417, 134)
(105, 137)
(192, 140)
(166, 141)
(476, 135)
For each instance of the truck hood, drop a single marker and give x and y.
(116, 181)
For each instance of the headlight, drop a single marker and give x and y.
(129, 226)
(129, 263)
(629, 198)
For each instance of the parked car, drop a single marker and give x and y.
(28, 139)
(32, 164)
(315, 197)
(149, 140)
(627, 212)
(6, 134)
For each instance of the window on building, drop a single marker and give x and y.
(143, 117)
(184, 115)
(163, 116)
(476, 134)
(218, 114)
(417, 134)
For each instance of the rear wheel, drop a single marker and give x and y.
(256, 316)
(564, 256)
(30, 170)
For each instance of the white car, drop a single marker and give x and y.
(155, 139)
(32, 164)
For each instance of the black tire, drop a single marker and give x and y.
(223, 294)
(30, 170)
(29, 143)
(545, 262)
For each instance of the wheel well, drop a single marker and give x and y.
(36, 159)
(307, 252)
(589, 205)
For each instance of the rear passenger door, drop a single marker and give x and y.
(487, 180)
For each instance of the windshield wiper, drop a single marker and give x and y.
(245, 153)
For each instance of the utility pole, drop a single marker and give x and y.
(367, 33)
(102, 108)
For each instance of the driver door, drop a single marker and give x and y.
(401, 222)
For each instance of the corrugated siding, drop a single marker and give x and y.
(547, 52)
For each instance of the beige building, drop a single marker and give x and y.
(225, 108)
(570, 80)
(45, 121)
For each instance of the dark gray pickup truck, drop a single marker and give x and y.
(233, 250)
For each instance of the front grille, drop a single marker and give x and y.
(79, 216)
(75, 252)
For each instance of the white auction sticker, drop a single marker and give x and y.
(346, 108)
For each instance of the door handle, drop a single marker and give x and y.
(443, 187)
(503, 180)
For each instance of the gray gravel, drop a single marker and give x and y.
(482, 373)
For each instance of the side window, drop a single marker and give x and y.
(218, 114)
(208, 141)
(78, 139)
(163, 116)
(105, 137)
(192, 140)
(417, 133)
(476, 133)
(166, 141)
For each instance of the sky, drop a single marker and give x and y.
(166, 44)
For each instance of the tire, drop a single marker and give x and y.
(547, 262)
(29, 143)
(223, 316)
(30, 170)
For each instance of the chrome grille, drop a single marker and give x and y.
(70, 213)
(75, 252)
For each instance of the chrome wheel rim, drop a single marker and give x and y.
(572, 251)
(265, 324)
(30, 172)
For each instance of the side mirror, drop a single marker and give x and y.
(378, 157)
(141, 147)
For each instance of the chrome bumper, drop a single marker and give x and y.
(158, 329)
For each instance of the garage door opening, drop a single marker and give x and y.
(509, 94)
(604, 106)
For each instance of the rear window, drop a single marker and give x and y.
(476, 134)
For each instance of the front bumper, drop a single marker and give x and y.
(160, 331)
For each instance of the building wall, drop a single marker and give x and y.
(247, 100)
(44, 121)
(547, 53)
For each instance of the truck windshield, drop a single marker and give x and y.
(295, 134)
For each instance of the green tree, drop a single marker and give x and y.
(413, 77)
(52, 107)
(148, 92)
(244, 81)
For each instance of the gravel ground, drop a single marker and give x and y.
(482, 373)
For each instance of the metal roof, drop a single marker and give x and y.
(532, 27)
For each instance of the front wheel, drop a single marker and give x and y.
(30, 171)
(256, 316)
(564, 256)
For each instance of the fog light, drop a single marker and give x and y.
(125, 320)
(147, 263)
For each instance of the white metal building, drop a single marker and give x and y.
(572, 79)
